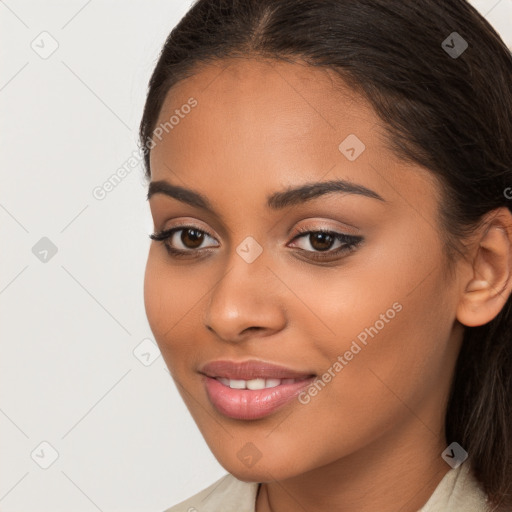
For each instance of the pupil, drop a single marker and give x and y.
(197, 237)
(324, 245)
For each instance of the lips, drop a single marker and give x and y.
(251, 389)
(250, 370)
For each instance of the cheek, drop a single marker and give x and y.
(392, 334)
(392, 313)
(172, 298)
(163, 298)
(153, 289)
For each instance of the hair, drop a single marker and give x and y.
(449, 114)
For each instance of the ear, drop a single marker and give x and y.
(490, 284)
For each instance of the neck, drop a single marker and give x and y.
(397, 471)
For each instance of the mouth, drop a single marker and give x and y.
(255, 384)
(251, 389)
(250, 370)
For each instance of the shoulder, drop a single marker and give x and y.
(458, 491)
(227, 494)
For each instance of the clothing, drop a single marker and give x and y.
(458, 491)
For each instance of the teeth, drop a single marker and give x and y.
(272, 383)
(254, 384)
(237, 384)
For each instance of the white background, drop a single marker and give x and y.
(70, 325)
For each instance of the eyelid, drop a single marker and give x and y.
(325, 228)
(187, 225)
(169, 232)
(301, 230)
(348, 241)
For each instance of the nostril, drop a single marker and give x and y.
(249, 328)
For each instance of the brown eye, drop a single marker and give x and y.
(183, 240)
(318, 244)
(191, 238)
(321, 241)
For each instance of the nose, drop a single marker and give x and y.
(246, 302)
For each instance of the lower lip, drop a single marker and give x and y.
(251, 404)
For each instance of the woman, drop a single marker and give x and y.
(330, 275)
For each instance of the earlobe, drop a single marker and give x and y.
(490, 286)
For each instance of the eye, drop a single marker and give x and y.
(189, 241)
(320, 242)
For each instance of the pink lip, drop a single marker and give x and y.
(251, 369)
(248, 404)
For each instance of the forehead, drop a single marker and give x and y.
(263, 125)
(265, 104)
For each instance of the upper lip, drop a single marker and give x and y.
(251, 369)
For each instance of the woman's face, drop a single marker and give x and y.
(375, 323)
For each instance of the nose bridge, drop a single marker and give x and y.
(241, 297)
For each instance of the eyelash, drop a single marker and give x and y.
(350, 242)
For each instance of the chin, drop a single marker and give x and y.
(252, 475)
(277, 470)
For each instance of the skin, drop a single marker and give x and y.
(372, 438)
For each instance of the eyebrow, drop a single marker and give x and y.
(275, 201)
